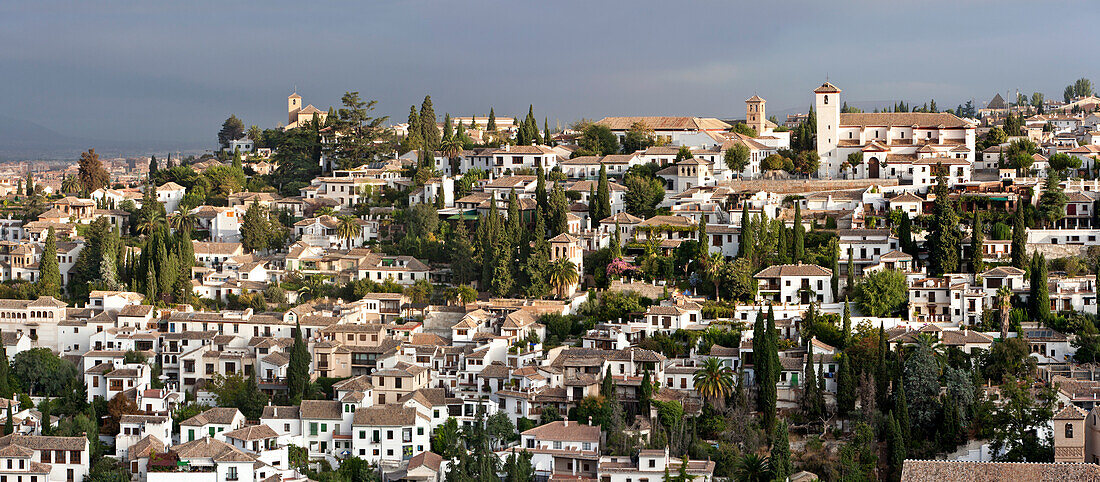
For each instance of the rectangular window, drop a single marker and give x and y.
(313, 428)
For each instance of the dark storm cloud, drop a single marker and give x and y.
(172, 71)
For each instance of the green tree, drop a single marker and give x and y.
(49, 281)
(232, 129)
(714, 381)
(905, 235)
(91, 172)
(1013, 423)
(412, 140)
(599, 140)
(943, 243)
(753, 468)
(298, 369)
(882, 293)
(1052, 203)
(781, 452)
(518, 468)
(737, 157)
(5, 374)
(42, 372)
(845, 387)
(895, 443)
(429, 130)
(799, 234)
(603, 197)
(562, 275)
(255, 228)
(240, 392)
(1019, 239)
(1039, 297)
(639, 137)
(922, 386)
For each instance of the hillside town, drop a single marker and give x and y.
(907, 294)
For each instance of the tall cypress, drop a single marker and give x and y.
(447, 131)
(845, 387)
(491, 124)
(901, 408)
(851, 284)
(559, 211)
(297, 374)
(880, 367)
(540, 188)
(603, 191)
(943, 243)
(166, 276)
(429, 130)
(49, 275)
(905, 235)
(153, 166)
(799, 235)
(847, 323)
(1040, 291)
(773, 370)
(834, 265)
(780, 453)
(759, 358)
(5, 373)
(414, 140)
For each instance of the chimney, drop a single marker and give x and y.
(565, 423)
(590, 420)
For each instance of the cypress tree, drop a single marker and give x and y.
(413, 139)
(703, 255)
(845, 387)
(515, 230)
(780, 453)
(948, 431)
(851, 270)
(895, 443)
(9, 426)
(429, 130)
(616, 243)
(491, 124)
(773, 370)
(759, 360)
(943, 243)
(901, 407)
(546, 131)
(799, 235)
(168, 164)
(1019, 238)
(809, 387)
(1040, 291)
(834, 265)
(108, 273)
(297, 373)
(30, 184)
(153, 166)
(603, 191)
(847, 323)
(151, 284)
(49, 277)
(820, 393)
(880, 367)
(559, 211)
(502, 274)
(166, 276)
(977, 264)
(540, 188)
(593, 207)
(447, 131)
(905, 235)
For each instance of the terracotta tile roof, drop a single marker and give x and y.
(559, 431)
(957, 471)
(902, 119)
(217, 415)
(281, 413)
(665, 123)
(793, 270)
(321, 409)
(386, 416)
(38, 442)
(425, 459)
(253, 432)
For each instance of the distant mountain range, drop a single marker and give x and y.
(24, 140)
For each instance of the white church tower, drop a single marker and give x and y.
(827, 104)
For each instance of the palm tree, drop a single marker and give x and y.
(715, 268)
(70, 185)
(183, 218)
(928, 342)
(713, 380)
(347, 229)
(153, 221)
(451, 149)
(753, 468)
(563, 273)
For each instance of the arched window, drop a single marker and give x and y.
(826, 99)
(1069, 430)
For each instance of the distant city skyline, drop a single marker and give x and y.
(134, 72)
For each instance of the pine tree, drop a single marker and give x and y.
(49, 281)
(799, 235)
(943, 243)
(845, 387)
(1019, 238)
(977, 238)
(429, 130)
(781, 452)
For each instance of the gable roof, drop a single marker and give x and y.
(793, 270)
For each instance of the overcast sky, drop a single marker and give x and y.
(133, 71)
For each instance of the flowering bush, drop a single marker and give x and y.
(618, 267)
